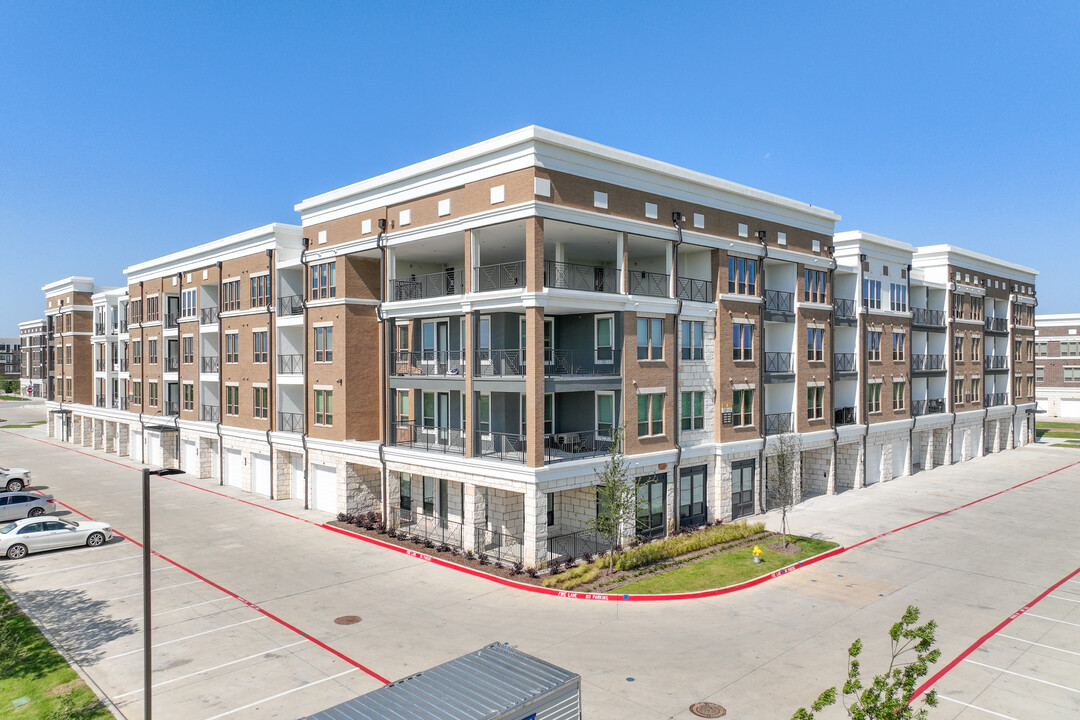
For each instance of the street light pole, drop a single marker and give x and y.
(146, 591)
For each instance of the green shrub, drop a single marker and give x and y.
(573, 575)
(654, 552)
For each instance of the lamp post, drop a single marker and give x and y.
(146, 591)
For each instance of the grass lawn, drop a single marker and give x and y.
(10, 427)
(37, 672)
(1042, 425)
(722, 570)
(1057, 434)
(13, 397)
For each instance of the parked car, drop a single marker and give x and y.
(17, 505)
(14, 479)
(47, 533)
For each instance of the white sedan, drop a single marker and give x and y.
(48, 533)
(14, 479)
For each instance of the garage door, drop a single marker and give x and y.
(1070, 408)
(136, 445)
(234, 468)
(899, 458)
(873, 464)
(153, 449)
(297, 462)
(324, 488)
(189, 461)
(260, 474)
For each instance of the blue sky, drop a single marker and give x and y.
(131, 130)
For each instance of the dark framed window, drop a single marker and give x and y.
(692, 493)
(742, 488)
(429, 495)
(651, 490)
(405, 492)
(650, 338)
(742, 341)
(550, 509)
(692, 340)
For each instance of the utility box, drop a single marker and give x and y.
(496, 682)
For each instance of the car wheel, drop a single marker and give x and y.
(16, 551)
(15, 485)
(95, 539)
(35, 511)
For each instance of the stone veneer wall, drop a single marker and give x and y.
(847, 464)
(363, 487)
(247, 447)
(815, 470)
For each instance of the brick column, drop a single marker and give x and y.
(534, 343)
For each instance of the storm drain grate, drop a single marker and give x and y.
(353, 619)
(708, 710)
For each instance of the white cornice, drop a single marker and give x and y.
(267, 237)
(952, 255)
(71, 284)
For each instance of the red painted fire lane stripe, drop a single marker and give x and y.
(998, 628)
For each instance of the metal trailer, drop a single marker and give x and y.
(496, 682)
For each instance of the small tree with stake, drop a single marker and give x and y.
(888, 696)
(784, 485)
(616, 495)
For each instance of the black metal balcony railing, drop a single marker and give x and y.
(440, 531)
(291, 364)
(208, 315)
(927, 362)
(843, 308)
(572, 445)
(779, 301)
(844, 362)
(570, 276)
(209, 413)
(643, 282)
(171, 319)
(557, 362)
(209, 364)
(428, 362)
(996, 362)
(120, 403)
(844, 416)
(171, 407)
(123, 326)
(499, 363)
(776, 423)
(99, 365)
(426, 286)
(929, 406)
(995, 399)
(290, 305)
(99, 328)
(778, 362)
(502, 276)
(423, 437)
(996, 324)
(498, 445)
(923, 316)
(172, 363)
(99, 401)
(576, 544)
(290, 422)
(696, 290)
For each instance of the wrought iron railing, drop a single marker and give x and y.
(570, 276)
(499, 546)
(776, 423)
(172, 363)
(99, 365)
(290, 422)
(996, 324)
(598, 361)
(779, 362)
(120, 403)
(291, 364)
(290, 305)
(123, 326)
(171, 407)
(99, 328)
(844, 362)
(210, 364)
(427, 362)
(996, 362)
(502, 276)
(923, 316)
(439, 531)
(995, 399)
(209, 413)
(423, 437)
(643, 282)
(99, 401)
(499, 363)
(843, 308)
(928, 406)
(779, 301)
(171, 319)
(576, 544)
(696, 290)
(927, 362)
(572, 445)
(437, 284)
(499, 445)
(208, 315)
(844, 416)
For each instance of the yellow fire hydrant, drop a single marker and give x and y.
(757, 554)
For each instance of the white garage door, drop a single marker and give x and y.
(297, 476)
(234, 468)
(136, 445)
(324, 488)
(189, 461)
(873, 464)
(260, 474)
(153, 449)
(899, 458)
(1070, 408)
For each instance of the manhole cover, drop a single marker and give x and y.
(708, 710)
(353, 619)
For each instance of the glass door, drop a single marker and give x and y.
(692, 505)
(742, 488)
(605, 352)
(650, 512)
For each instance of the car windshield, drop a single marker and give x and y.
(7, 528)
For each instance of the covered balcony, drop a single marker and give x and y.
(429, 268)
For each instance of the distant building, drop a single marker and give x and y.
(1057, 365)
(34, 365)
(9, 358)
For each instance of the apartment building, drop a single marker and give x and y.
(1057, 369)
(455, 344)
(10, 358)
(34, 365)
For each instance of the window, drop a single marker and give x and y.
(232, 400)
(814, 340)
(260, 291)
(814, 286)
(693, 410)
(742, 276)
(135, 311)
(405, 492)
(976, 347)
(483, 413)
(975, 383)
(898, 395)
(1071, 373)
(324, 407)
(692, 340)
(650, 414)
(151, 309)
(136, 352)
(742, 408)
(1017, 348)
(189, 396)
(259, 346)
(958, 348)
(402, 337)
(692, 496)
(1042, 349)
(958, 391)
(957, 306)
(650, 338)
(898, 346)
(136, 392)
(871, 294)
(815, 402)
(1070, 349)
(232, 347)
(230, 295)
(404, 415)
(605, 414)
(976, 310)
(873, 397)
(550, 509)
(873, 345)
(898, 297)
(324, 344)
(188, 349)
(152, 351)
(605, 350)
(260, 401)
(323, 281)
(1039, 373)
(742, 344)
(153, 394)
(429, 495)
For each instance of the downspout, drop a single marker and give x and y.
(676, 218)
(910, 380)
(303, 428)
(179, 380)
(761, 234)
(142, 368)
(380, 242)
(271, 361)
(832, 375)
(860, 388)
(221, 383)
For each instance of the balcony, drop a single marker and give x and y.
(843, 309)
(290, 305)
(927, 363)
(438, 284)
(844, 416)
(927, 407)
(123, 326)
(844, 362)
(574, 445)
(996, 325)
(99, 328)
(209, 413)
(929, 318)
(171, 407)
(778, 362)
(996, 362)
(995, 399)
(778, 301)
(120, 403)
(209, 364)
(208, 315)
(499, 446)
(99, 401)
(171, 319)
(777, 423)
(123, 365)
(290, 364)
(172, 363)
(603, 362)
(569, 276)
(502, 276)
(431, 439)
(695, 290)
(428, 363)
(99, 365)
(290, 422)
(649, 283)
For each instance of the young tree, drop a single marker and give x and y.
(617, 498)
(783, 480)
(888, 695)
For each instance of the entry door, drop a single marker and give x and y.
(692, 505)
(434, 342)
(742, 488)
(605, 349)
(260, 474)
(650, 513)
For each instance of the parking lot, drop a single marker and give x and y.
(249, 597)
